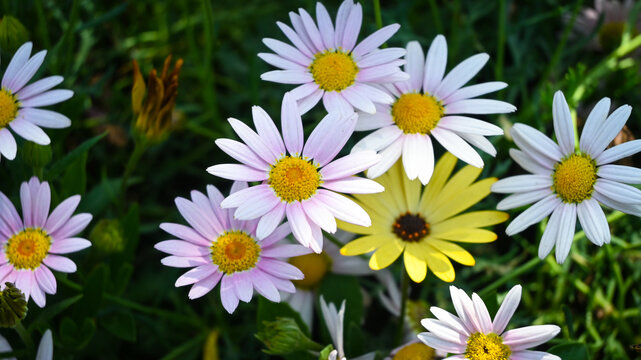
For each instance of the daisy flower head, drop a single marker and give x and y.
(299, 180)
(325, 61)
(423, 224)
(33, 244)
(315, 267)
(222, 249)
(19, 103)
(474, 336)
(614, 14)
(430, 106)
(570, 180)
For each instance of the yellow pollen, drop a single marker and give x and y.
(8, 107)
(574, 177)
(333, 71)
(235, 251)
(27, 249)
(313, 266)
(417, 113)
(486, 347)
(294, 179)
(415, 351)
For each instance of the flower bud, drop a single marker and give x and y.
(283, 336)
(107, 236)
(13, 306)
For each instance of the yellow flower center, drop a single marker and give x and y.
(574, 177)
(411, 227)
(294, 179)
(417, 113)
(486, 347)
(313, 266)
(235, 251)
(27, 249)
(333, 71)
(8, 107)
(415, 351)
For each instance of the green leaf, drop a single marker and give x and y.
(122, 278)
(59, 166)
(74, 180)
(269, 311)
(75, 336)
(571, 351)
(336, 288)
(93, 292)
(131, 228)
(121, 324)
(52, 310)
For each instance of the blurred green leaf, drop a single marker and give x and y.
(93, 292)
(571, 351)
(75, 336)
(120, 323)
(59, 166)
(74, 180)
(51, 310)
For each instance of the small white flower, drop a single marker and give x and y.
(334, 319)
(474, 336)
(570, 182)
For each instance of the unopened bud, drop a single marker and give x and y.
(283, 336)
(13, 306)
(107, 236)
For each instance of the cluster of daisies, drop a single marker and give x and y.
(408, 203)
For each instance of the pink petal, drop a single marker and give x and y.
(69, 245)
(204, 286)
(60, 263)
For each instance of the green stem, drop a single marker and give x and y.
(511, 275)
(436, 17)
(500, 46)
(139, 149)
(377, 14)
(333, 239)
(401, 316)
(26, 339)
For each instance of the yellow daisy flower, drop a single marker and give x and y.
(423, 227)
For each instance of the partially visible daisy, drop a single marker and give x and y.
(326, 62)
(33, 244)
(299, 180)
(615, 15)
(19, 103)
(45, 348)
(474, 336)
(571, 181)
(427, 106)
(334, 319)
(316, 267)
(422, 224)
(222, 249)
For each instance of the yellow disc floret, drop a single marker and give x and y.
(8, 107)
(574, 177)
(27, 249)
(417, 113)
(415, 351)
(313, 266)
(235, 251)
(486, 347)
(333, 71)
(294, 179)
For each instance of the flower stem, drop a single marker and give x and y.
(405, 284)
(139, 149)
(377, 14)
(24, 335)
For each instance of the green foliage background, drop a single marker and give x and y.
(126, 305)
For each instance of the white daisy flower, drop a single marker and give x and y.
(301, 180)
(473, 335)
(334, 319)
(19, 103)
(570, 182)
(429, 105)
(326, 62)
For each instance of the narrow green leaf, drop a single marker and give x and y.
(59, 166)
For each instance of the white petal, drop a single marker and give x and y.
(47, 98)
(620, 173)
(619, 192)
(287, 51)
(461, 74)
(415, 65)
(535, 143)
(507, 309)
(562, 120)
(8, 146)
(17, 62)
(593, 124)
(287, 76)
(469, 125)
(378, 140)
(565, 233)
(29, 131)
(389, 156)
(375, 40)
(593, 222)
(522, 198)
(325, 26)
(533, 214)
(529, 336)
(522, 183)
(619, 152)
(457, 146)
(473, 91)
(528, 163)
(38, 87)
(611, 127)
(479, 106)
(435, 63)
(295, 39)
(45, 118)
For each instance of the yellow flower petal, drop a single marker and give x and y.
(414, 263)
(392, 196)
(453, 251)
(366, 244)
(411, 188)
(470, 220)
(386, 254)
(470, 235)
(354, 228)
(442, 171)
(457, 184)
(438, 263)
(462, 201)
